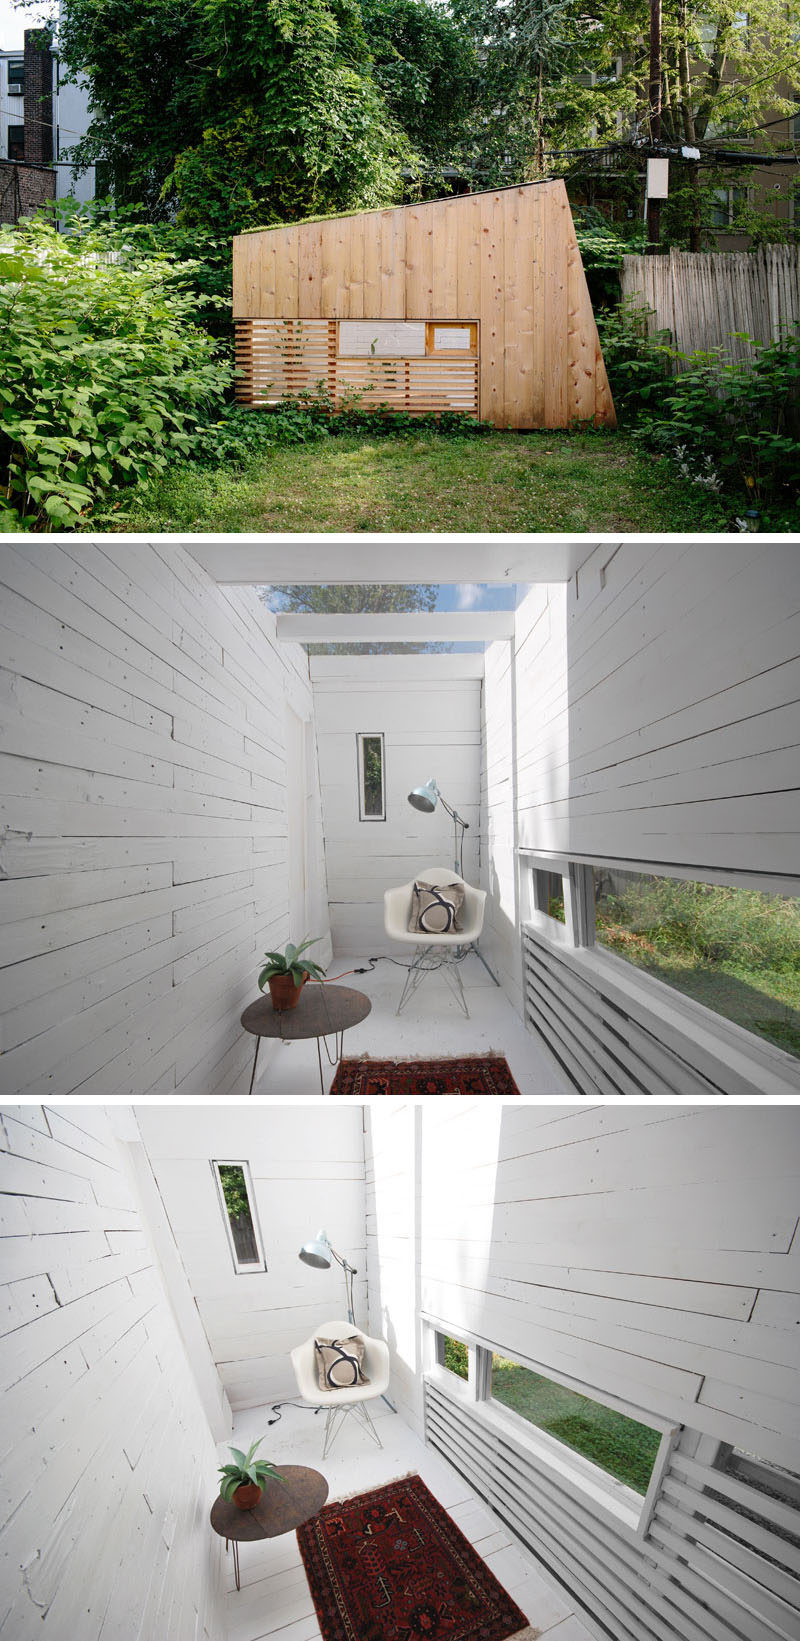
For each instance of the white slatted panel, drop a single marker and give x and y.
(109, 1467)
(669, 1587)
(608, 1041)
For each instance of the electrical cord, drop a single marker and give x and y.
(303, 1406)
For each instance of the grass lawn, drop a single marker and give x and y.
(619, 1445)
(500, 481)
(763, 1000)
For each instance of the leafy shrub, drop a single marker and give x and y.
(240, 435)
(731, 427)
(456, 1357)
(710, 922)
(104, 373)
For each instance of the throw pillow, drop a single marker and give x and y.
(340, 1363)
(436, 908)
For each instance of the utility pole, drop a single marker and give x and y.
(654, 101)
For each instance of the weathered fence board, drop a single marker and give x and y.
(714, 299)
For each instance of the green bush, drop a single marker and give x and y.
(240, 435)
(104, 373)
(731, 428)
(712, 922)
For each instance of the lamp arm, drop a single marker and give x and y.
(453, 813)
(349, 1272)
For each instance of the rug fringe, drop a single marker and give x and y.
(419, 1059)
(342, 1498)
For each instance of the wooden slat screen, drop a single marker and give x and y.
(682, 1581)
(280, 358)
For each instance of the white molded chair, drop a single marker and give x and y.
(338, 1403)
(434, 951)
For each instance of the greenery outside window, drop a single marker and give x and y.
(619, 1445)
(736, 951)
(371, 784)
(453, 1355)
(237, 1201)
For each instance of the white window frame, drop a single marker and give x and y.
(249, 1267)
(361, 737)
(754, 1055)
(630, 1510)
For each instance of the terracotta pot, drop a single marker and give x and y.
(283, 991)
(247, 1496)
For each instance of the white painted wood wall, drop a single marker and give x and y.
(144, 814)
(656, 707)
(307, 1167)
(647, 1252)
(109, 1467)
(428, 709)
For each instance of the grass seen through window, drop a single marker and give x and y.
(619, 1445)
(735, 950)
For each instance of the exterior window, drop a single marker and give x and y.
(16, 142)
(371, 786)
(736, 951)
(549, 895)
(16, 77)
(381, 338)
(451, 337)
(239, 1215)
(453, 1354)
(617, 1444)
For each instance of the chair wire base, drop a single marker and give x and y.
(335, 1418)
(427, 960)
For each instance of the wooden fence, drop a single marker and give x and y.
(704, 298)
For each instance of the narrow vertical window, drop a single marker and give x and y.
(371, 786)
(239, 1215)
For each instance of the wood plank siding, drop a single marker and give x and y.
(506, 261)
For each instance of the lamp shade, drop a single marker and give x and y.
(317, 1252)
(425, 797)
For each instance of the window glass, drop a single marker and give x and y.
(381, 338)
(16, 142)
(16, 77)
(737, 951)
(456, 1356)
(235, 1191)
(372, 804)
(619, 1445)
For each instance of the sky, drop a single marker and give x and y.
(14, 22)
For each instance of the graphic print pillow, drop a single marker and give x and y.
(340, 1363)
(436, 908)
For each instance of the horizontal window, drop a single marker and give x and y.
(736, 951)
(617, 1444)
(381, 338)
(237, 1201)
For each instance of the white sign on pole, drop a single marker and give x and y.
(658, 179)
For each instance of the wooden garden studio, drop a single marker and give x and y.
(475, 304)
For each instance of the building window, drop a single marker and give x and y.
(736, 951)
(619, 1445)
(548, 894)
(453, 1355)
(16, 142)
(371, 784)
(451, 337)
(237, 1201)
(16, 77)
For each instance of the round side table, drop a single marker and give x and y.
(283, 1505)
(322, 1012)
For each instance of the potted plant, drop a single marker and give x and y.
(243, 1481)
(287, 972)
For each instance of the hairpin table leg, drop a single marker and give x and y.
(255, 1063)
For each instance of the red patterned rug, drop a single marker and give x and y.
(391, 1566)
(480, 1074)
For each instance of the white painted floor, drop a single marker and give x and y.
(431, 1025)
(275, 1600)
